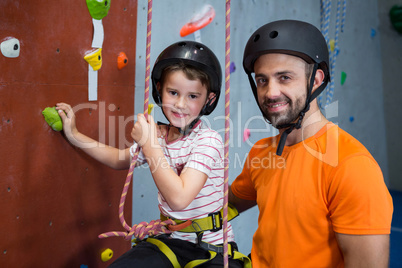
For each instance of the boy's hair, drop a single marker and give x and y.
(191, 72)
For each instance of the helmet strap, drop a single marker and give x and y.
(184, 131)
(254, 89)
(309, 98)
(290, 127)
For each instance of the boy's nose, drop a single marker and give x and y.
(180, 103)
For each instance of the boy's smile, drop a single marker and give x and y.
(182, 99)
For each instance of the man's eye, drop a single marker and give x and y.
(261, 81)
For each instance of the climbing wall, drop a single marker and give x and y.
(55, 199)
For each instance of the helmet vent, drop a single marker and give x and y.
(273, 34)
(256, 37)
(199, 47)
(182, 44)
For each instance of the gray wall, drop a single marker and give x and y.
(391, 49)
(361, 97)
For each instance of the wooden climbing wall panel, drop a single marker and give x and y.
(55, 200)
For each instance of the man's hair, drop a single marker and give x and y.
(190, 72)
(309, 71)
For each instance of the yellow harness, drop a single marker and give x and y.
(213, 222)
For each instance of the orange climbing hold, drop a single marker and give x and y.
(122, 60)
(199, 21)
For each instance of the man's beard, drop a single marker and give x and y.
(278, 119)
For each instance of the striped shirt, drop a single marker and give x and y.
(201, 149)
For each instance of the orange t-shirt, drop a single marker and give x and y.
(325, 184)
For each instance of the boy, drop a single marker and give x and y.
(185, 157)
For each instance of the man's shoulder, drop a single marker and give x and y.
(347, 145)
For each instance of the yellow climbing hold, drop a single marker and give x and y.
(332, 44)
(150, 107)
(94, 59)
(106, 255)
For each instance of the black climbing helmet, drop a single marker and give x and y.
(292, 37)
(196, 55)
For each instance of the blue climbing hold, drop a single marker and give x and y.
(232, 67)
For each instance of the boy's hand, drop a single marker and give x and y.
(68, 117)
(144, 131)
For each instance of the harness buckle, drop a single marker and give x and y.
(216, 227)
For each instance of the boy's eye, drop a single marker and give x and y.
(171, 92)
(193, 96)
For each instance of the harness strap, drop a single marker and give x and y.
(213, 222)
(195, 263)
(212, 249)
(166, 250)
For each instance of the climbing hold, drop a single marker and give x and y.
(150, 107)
(10, 47)
(373, 32)
(53, 119)
(106, 255)
(395, 15)
(122, 60)
(351, 119)
(94, 59)
(83, 266)
(98, 8)
(332, 45)
(246, 134)
(200, 20)
(343, 78)
(232, 67)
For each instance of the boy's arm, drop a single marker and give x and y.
(178, 191)
(110, 156)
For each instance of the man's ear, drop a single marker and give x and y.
(319, 78)
(211, 98)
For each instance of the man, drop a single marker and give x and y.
(322, 201)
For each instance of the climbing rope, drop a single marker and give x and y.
(334, 48)
(141, 230)
(227, 137)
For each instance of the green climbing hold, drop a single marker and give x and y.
(396, 17)
(343, 78)
(98, 8)
(53, 118)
